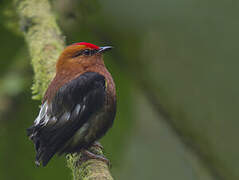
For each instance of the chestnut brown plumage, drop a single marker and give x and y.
(79, 105)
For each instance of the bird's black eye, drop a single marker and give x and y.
(86, 52)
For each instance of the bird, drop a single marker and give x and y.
(79, 105)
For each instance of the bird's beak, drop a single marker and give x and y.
(104, 49)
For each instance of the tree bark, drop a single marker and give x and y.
(45, 42)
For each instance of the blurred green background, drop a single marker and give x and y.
(175, 64)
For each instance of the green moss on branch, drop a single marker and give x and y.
(43, 38)
(90, 169)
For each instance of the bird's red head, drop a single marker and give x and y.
(87, 45)
(79, 55)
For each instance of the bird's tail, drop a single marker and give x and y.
(43, 154)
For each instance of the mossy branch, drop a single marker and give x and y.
(45, 42)
(43, 38)
(88, 169)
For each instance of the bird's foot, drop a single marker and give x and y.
(91, 155)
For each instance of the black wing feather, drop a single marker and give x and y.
(87, 92)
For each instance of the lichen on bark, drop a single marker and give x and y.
(89, 169)
(43, 38)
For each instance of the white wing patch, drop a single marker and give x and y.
(77, 108)
(43, 117)
(42, 114)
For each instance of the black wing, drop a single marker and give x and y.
(71, 107)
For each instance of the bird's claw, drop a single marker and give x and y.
(91, 155)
